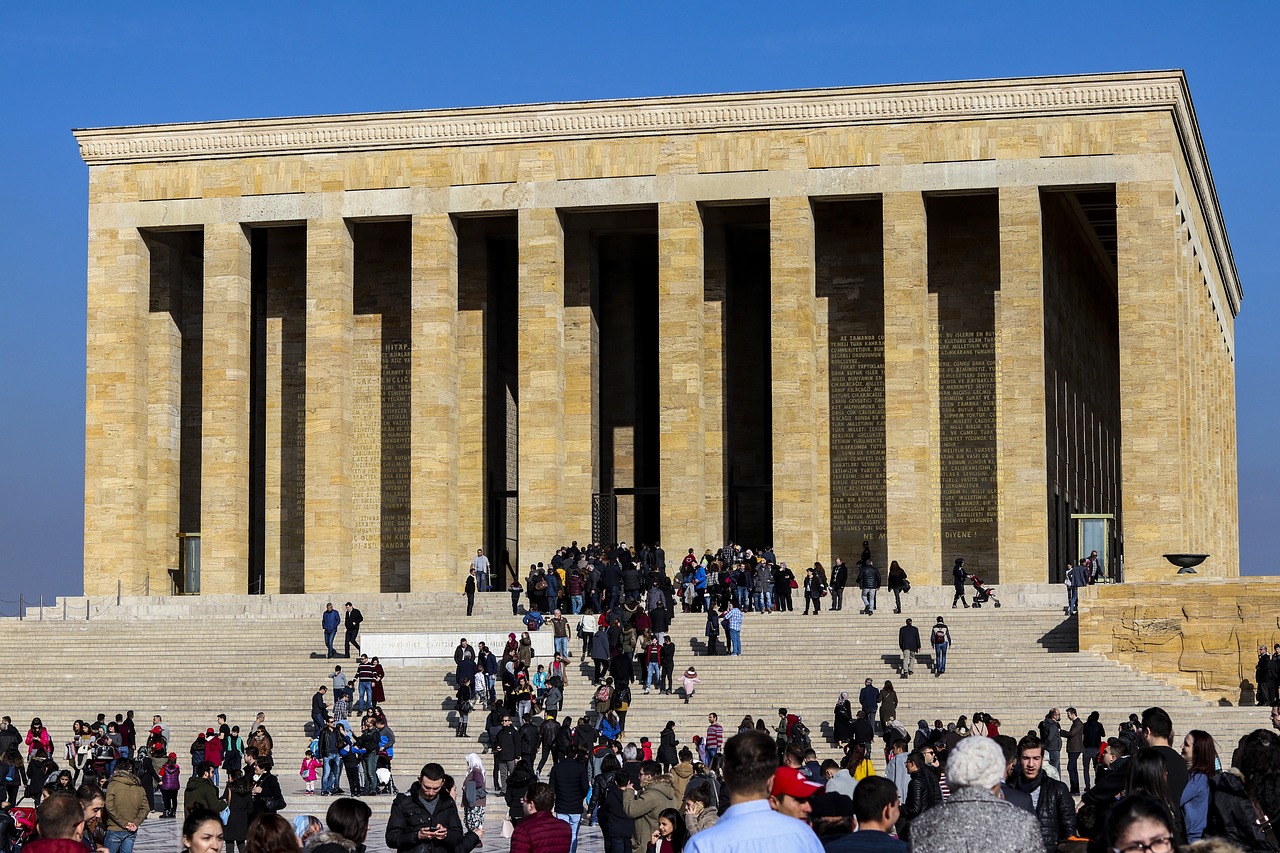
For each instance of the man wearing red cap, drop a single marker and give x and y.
(791, 792)
(750, 825)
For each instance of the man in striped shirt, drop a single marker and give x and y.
(715, 736)
(365, 675)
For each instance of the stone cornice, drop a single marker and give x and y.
(798, 110)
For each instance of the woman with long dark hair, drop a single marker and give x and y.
(1140, 822)
(671, 834)
(1149, 777)
(1201, 755)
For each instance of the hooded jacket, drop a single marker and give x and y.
(126, 802)
(202, 793)
(644, 809)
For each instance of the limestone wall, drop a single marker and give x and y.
(1197, 633)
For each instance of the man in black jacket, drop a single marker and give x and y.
(506, 752)
(353, 620)
(1054, 807)
(909, 646)
(1262, 675)
(839, 580)
(570, 781)
(869, 581)
(421, 820)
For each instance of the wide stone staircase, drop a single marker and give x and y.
(189, 659)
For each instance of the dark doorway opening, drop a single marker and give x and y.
(738, 259)
(964, 274)
(849, 254)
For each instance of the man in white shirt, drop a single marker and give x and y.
(481, 565)
(750, 825)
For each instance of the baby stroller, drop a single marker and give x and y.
(982, 594)
(386, 780)
(17, 827)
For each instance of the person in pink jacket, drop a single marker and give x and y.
(310, 764)
(38, 738)
(690, 679)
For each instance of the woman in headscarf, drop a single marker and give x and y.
(474, 793)
(512, 646)
(524, 649)
(379, 695)
(842, 728)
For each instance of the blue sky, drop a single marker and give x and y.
(78, 64)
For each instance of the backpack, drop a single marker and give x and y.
(10, 774)
(603, 693)
(622, 696)
(939, 634)
(800, 735)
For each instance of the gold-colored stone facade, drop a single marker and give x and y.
(300, 190)
(1200, 634)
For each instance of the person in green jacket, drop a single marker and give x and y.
(201, 792)
(126, 808)
(657, 794)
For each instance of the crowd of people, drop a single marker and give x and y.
(596, 578)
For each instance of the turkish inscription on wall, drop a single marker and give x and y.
(967, 452)
(380, 475)
(857, 443)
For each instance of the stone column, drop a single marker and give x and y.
(795, 378)
(1151, 444)
(434, 556)
(911, 476)
(581, 477)
(115, 463)
(1022, 447)
(330, 336)
(541, 406)
(682, 452)
(224, 457)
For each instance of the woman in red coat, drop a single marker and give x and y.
(378, 695)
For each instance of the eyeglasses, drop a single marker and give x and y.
(1163, 844)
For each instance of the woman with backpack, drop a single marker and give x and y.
(13, 774)
(602, 701)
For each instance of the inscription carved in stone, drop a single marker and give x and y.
(857, 444)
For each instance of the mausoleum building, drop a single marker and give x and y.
(948, 319)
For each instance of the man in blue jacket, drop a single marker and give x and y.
(331, 620)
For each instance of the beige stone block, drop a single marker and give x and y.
(224, 458)
(683, 458)
(581, 477)
(330, 339)
(115, 490)
(540, 351)
(911, 481)
(1021, 440)
(435, 554)
(794, 386)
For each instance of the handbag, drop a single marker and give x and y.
(794, 585)
(225, 814)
